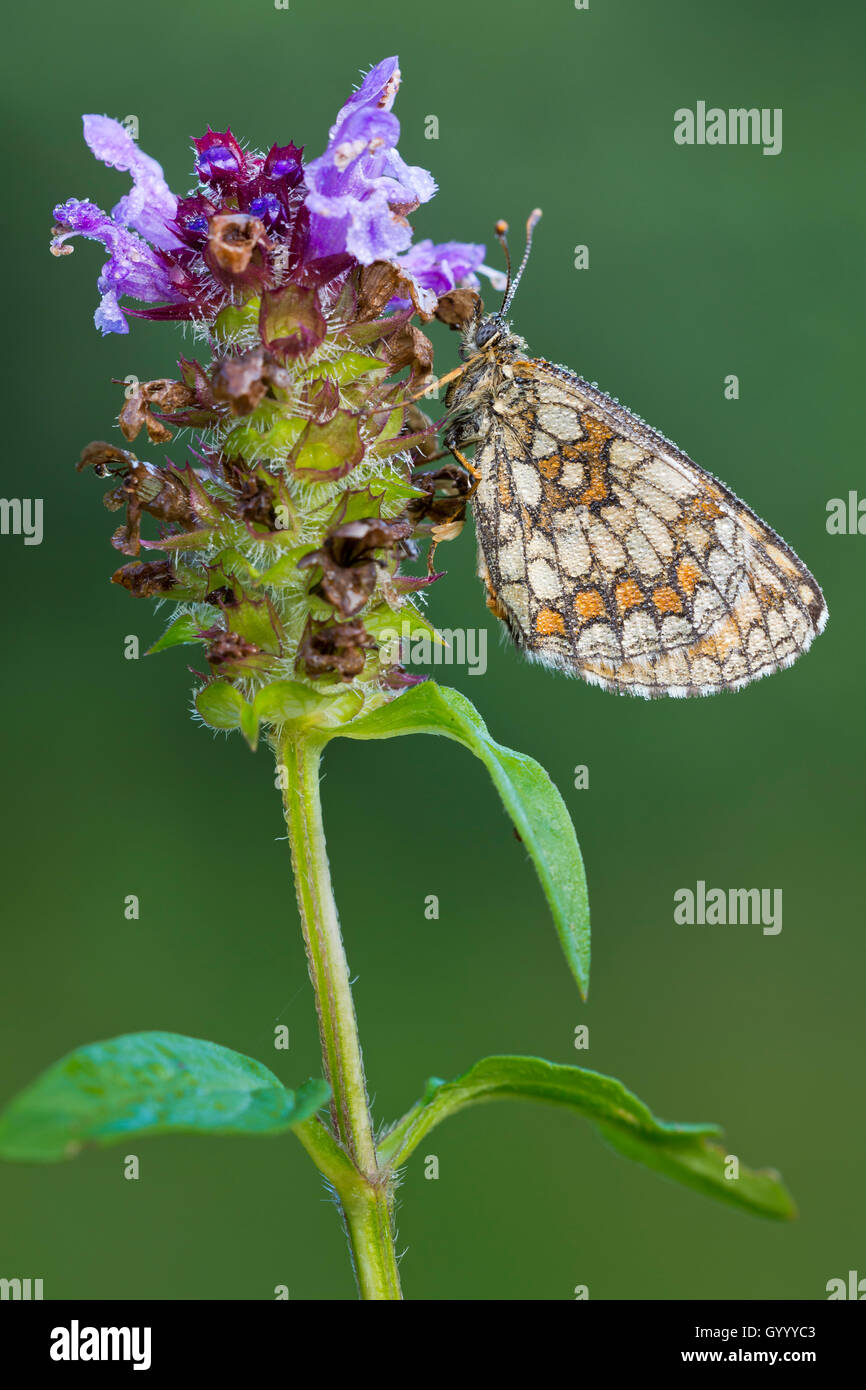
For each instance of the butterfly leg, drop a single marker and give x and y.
(493, 602)
(449, 530)
(470, 467)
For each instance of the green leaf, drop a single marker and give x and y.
(282, 702)
(533, 802)
(291, 319)
(264, 434)
(391, 626)
(149, 1083)
(284, 573)
(256, 621)
(683, 1152)
(236, 319)
(349, 366)
(328, 451)
(184, 629)
(220, 705)
(249, 724)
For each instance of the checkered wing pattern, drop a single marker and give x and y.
(609, 554)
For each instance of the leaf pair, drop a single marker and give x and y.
(162, 1083)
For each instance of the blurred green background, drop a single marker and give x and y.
(703, 262)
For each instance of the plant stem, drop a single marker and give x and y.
(364, 1190)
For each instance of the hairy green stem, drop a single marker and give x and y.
(348, 1158)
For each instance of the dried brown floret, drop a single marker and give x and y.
(166, 395)
(145, 579)
(339, 647)
(232, 238)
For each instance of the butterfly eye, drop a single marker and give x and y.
(486, 331)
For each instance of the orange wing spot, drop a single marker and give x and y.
(549, 467)
(628, 594)
(667, 600)
(688, 575)
(589, 604)
(590, 451)
(596, 492)
(721, 643)
(504, 491)
(707, 508)
(548, 623)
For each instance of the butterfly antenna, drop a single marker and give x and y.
(501, 230)
(511, 287)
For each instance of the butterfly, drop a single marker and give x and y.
(605, 550)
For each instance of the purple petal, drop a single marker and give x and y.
(150, 204)
(436, 269)
(133, 268)
(441, 268)
(378, 89)
(360, 188)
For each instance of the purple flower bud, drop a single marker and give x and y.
(220, 160)
(284, 163)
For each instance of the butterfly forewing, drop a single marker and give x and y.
(609, 554)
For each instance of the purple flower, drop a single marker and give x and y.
(440, 268)
(360, 189)
(133, 267)
(307, 224)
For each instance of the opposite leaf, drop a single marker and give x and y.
(679, 1151)
(531, 799)
(149, 1083)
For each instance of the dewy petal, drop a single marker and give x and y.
(133, 268)
(360, 188)
(436, 269)
(109, 317)
(374, 233)
(377, 91)
(411, 177)
(150, 205)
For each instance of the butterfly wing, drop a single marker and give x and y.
(609, 554)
